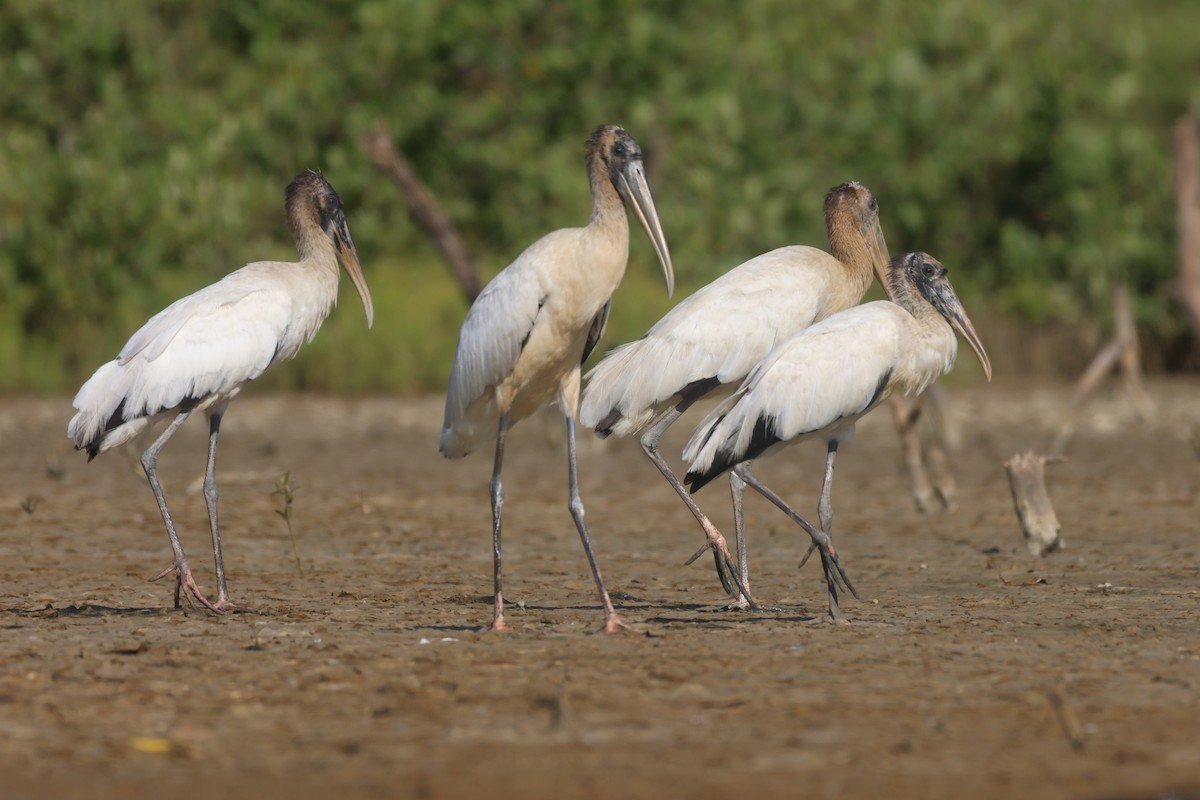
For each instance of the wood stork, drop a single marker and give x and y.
(819, 382)
(528, 333)
(712, 340)
(196, 354)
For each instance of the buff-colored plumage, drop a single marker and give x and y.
(527, 334)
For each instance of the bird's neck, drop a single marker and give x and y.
(901, 292)
(315, 249)
(608, 211)
(934, 345)
(936, 349)
(851, 249)
(317, 269)
(608, 235)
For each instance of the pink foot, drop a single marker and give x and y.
(716, 543)
(741, 604)
(185, 584)
(613, 624)
(227, 606)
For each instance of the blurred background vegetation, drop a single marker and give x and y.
(145, 146)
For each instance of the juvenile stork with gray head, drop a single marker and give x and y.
(196, 354)
(710, 342)
(528, 333)
(818, 383)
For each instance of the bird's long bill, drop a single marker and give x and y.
(636, 192)
(879, 252)
(956, 315)
(349, 258)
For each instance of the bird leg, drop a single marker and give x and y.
(726, 570)
(612, 622)
(223, 604)
(737, 494)
(824, 506)
(910, 443)
(821, 542)
(497, 493)
(737, 490)
(183, 572)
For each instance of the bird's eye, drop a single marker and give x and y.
(619, 150)
(927, 270)
(871, 205)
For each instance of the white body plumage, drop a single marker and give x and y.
(822, 380)
(722, 330)
(196, 354)
(202, 348)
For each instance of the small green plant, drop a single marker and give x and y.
(287, 490)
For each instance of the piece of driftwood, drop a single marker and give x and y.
(1121, 353)
(426, 211)
(1027, 480)
(1187, 209)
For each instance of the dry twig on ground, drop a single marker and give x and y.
(1027, 480)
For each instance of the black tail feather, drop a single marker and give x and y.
(115, 420)
(605, 426)
(695, 481)
(763, 438)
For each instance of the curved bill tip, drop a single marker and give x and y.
(963, 325)
(987, 365)
(349, 258)
(638, 197)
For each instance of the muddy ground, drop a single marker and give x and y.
(970, 668)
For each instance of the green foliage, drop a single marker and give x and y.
(287, 491)
(147, 143)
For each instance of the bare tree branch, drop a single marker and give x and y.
(426, 212)
(1122, 352)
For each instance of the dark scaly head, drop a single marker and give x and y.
(921, 275)
(314, 210)
(613, 154)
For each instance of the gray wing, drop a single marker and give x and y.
(492, 338)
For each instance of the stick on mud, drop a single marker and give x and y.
(1027, 480)
(1067, 719)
